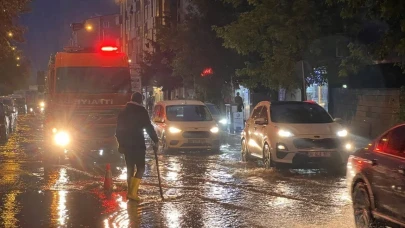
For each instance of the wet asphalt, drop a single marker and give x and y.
(200, 190)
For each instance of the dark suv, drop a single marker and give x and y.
(21, 105)
(11, 112)
(376, 180)
(4, 123)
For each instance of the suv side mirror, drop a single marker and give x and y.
(338, 120)
(261, 121)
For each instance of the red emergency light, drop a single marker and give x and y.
(109, 48)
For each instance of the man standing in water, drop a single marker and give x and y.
(130, 125)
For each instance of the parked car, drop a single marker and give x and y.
(376, 179)
(219, 118)
(4, 123)
(21, 105)
(297, 134)
(185, 125)
(11, 112)
(9, 101)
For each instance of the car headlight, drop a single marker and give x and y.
(174, 130)
(285, 133)
(223, 121)
(62, 138)
(349, 146)
(342, 133)
(214, 130)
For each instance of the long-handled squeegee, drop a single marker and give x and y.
(155, 149)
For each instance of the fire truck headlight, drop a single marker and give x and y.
(62, 138)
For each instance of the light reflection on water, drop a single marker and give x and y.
(172, 215)
(123, 174)
(174, 169)
(59, 210)
(62, 210)
(10, 210)
(126, 215)
(10, 173)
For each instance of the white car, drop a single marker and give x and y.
(219, 118)
(294, 133)
(185, 125)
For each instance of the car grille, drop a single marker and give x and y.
(327, 143)
(196, 134)
(98, 132)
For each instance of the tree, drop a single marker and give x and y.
(15, 73)
(14, 67)
(195, 46)
(380, 32)
(276, 35)
(10, 32)
(156, 70)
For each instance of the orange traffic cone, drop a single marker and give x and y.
(108, 178)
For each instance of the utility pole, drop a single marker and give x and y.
(232, 87)
(304, 84)
(123, 25)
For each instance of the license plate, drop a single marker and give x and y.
(319, 154)
(196, 141)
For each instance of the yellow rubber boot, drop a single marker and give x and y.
(133, 189)
(129, 187)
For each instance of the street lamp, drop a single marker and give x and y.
(18, 65)
(10, 34)
(13, 48)
(18, 58)
(89, 28)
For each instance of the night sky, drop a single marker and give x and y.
(48, 25)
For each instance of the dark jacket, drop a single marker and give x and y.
(239, 102)
(130, 125)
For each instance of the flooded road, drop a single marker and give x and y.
(200, 189)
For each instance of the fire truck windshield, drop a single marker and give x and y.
(93, 80)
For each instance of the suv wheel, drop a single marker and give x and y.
(244, 151)
(362, 206)
(267, 156)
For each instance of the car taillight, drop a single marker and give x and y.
(109, 48)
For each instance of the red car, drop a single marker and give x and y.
(376, 180)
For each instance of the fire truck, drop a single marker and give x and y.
(86, 89)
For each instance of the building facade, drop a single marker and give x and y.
(139, 21)
(97, 30)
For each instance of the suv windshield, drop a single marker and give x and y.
(6, 102)
(188, 113)
(298, 113)
(93, 80)
(213, 109)
(20, 101)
